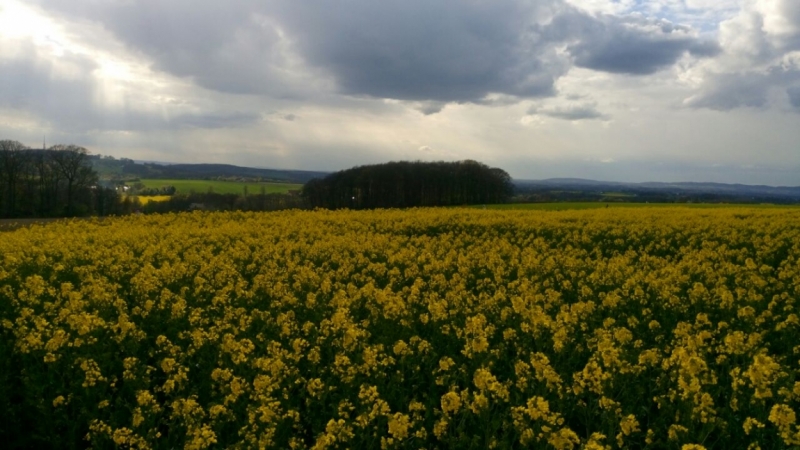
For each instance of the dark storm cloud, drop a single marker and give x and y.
(447, 50)
(429, 107)
(414, 50)
(571, 112)
(630, 45)
(462, 51)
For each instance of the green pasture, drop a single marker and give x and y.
(222, 187)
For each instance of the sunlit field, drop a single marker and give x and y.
(221, 187)
(662, 328)
(145, 199)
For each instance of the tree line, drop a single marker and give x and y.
(59, 181)
(52, 182)
(409, 184)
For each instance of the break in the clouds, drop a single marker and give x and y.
(324, 85)
(760, 66)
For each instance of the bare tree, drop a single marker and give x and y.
(12, 166)
(72, 163)
(49, 179)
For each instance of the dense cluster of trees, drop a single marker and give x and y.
(409, 184)
(140, 189)
(53, 182)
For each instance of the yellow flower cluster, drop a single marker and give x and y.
(449, 328)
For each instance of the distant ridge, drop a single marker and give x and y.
(126, 168)
(229, 170)
(721, 190)
(569, 181)
(550, 189)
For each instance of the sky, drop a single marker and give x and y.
(618, 90)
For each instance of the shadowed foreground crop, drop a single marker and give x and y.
(457, 328)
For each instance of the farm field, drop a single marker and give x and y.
(662, 328)
(221, 187)
(563, 206)
(145, 199)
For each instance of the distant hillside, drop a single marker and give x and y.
(548, 190)
(125, 169)
(576, 189)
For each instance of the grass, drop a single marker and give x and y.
(220, 187)
(561, 206)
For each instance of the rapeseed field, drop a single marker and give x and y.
(614, 328)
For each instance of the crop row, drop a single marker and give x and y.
(424, 328)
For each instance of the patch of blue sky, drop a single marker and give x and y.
(704, 16)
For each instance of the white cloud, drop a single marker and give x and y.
(604, 6)
(759, 47)
(705, 5)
